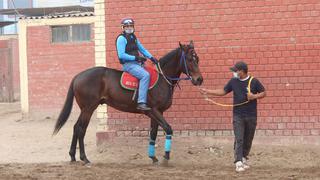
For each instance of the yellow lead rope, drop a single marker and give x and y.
(231, 105)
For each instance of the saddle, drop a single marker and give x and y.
(130, 82)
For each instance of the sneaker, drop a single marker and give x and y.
(239, 166)
(143, 107)
(245, 163)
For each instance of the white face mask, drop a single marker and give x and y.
(129, 31)
(235, 75)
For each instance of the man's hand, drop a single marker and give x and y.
(256, 96)
(154, 60)
(204, 91)
(251, 96)
(140, 59)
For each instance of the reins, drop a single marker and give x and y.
(161, 72)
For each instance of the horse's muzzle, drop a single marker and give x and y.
(198, 81)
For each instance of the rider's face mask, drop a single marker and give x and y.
(235, 75)
(128, 29)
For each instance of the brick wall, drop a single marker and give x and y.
(278, 39)
(51, 67)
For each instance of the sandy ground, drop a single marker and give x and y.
(28, 151)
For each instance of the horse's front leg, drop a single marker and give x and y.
(168, 130)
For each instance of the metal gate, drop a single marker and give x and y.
(6, 75)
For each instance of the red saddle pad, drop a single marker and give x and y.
(131, 83)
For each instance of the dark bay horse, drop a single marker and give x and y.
(101, 85)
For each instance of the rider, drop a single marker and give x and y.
(128, 48)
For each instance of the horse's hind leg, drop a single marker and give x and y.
(79, 131)
(152, 141)
(84, 120)
(73, 147)
(75, 137)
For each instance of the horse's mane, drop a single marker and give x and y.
(166, 58)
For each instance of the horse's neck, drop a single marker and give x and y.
(172, 68)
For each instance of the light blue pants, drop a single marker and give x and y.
(136, 69)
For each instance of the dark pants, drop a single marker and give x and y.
(244, 129)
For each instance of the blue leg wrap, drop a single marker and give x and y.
(167, 145)
(151, 148)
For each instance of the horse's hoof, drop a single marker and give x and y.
(155, 160)
(88, 165)
(73, 161)
(165, 162)
(155, 163)
(86, 161)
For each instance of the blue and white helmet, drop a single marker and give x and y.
(127, 21)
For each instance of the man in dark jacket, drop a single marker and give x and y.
(246, 91)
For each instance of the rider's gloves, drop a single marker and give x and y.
(140, 59)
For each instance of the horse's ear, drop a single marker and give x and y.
(182, 46)
(191, 44)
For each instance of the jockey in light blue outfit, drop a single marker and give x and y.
(128, 48)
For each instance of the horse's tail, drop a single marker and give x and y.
(65, 112)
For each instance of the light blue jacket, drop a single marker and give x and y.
(121, 50)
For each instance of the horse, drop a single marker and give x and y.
(101, 85)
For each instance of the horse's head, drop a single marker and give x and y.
(191, 67)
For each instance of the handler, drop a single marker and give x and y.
(246, 91)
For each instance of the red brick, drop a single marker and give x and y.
(281, 52)
(52, 66)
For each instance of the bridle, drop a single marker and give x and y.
(170, 79)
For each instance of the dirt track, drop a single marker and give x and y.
(27, 151)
